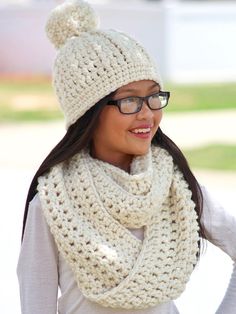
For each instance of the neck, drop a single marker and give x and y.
(119, 160)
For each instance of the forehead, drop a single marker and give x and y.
(139, 85)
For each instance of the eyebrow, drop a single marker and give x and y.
(134, 89)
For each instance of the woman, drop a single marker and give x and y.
(114, 215)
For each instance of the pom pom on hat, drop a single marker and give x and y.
(70, 19)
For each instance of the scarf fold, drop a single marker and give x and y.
(90, 205)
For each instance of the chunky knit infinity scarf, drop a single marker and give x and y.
(90, 206)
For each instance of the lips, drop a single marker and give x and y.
(142, 131)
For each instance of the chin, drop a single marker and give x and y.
(141, 151)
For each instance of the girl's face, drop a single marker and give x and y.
(118, 137)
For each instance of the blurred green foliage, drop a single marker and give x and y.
(25, 86)
(215, 157)
(183, 98)
(201, 97)
(34, 100)
(28, 100)
(9, 115)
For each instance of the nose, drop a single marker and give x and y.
(145, 112)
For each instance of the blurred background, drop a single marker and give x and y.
(192, 43)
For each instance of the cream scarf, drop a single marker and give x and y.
(90, 205)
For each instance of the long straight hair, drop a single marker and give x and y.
(79, 135)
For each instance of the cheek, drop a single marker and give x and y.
(118, 131)
(157, 119)
(112, 125)
(115, 123)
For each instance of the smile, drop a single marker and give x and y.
(138, 131)
(142, 133)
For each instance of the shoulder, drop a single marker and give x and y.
(35, 202)
(37, 229)
(219, 224)
(35, 212)
(36, 221)
(212, 209)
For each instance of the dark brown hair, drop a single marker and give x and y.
(79, 135)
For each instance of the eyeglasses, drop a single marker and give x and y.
(134, 104)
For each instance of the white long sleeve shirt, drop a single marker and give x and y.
(41, 268)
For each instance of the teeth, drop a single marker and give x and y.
(141, 130)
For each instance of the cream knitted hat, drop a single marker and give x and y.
(91, 63)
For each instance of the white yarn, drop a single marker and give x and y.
(89, 206)
(92, 63)
(71, 18)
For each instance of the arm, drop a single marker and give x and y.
(37, 265)
(220, 229)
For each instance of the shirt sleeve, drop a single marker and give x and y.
(37, 267)
(220, 229)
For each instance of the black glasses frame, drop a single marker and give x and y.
(117, 102)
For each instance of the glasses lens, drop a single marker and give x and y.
(129, 105)
(158, 101)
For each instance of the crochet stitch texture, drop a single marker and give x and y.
(91, 63)
(89, 206)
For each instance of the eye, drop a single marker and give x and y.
(129, 104)
(155, 101)
(130, 100)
